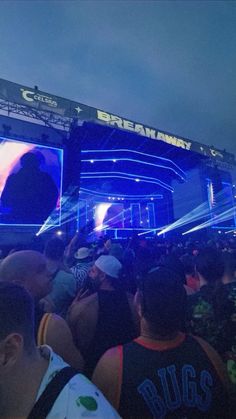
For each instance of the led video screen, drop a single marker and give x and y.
(108, 215)
(30, 182)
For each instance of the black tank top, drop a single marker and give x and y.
(176, 383)
(115, 326)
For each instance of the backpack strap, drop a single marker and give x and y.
(47, 399)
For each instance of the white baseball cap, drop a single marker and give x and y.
(109, 265)
(82, 253)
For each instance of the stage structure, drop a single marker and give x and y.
(115, 174)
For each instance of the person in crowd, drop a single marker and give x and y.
(163, 373)
(27, 371)
(173, 262)
(103, 246)
(84, 263)
(229, 260)
(106, 317)
(29, 269)
(225, 308)
(117, 250)
(129, 269)
(212, 310)
(77, 241)
(191, 277)
(64, 284)
(144, 259)
(201, 314)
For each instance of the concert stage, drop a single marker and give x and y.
(120, 176)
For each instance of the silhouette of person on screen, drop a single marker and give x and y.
(30, 195)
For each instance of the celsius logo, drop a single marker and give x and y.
(32, 96)
(216, 153)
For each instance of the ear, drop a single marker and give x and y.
(10, 350)
(138, 302)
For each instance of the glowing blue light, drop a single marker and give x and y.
(127, 197)
(136, 161)
(197, 213)
(122, 175)
(224, 216)
(135, 152)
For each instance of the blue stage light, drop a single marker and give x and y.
(136, 161)
(135, 152)
(125, 197)
(69, 213)
(122, 175)
(224, 216)
(197, 213)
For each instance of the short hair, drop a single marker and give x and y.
(54, 249)
(210, 265)
(175, 264)
(16, 313)
(164, 300)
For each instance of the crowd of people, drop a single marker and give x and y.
(148, 327)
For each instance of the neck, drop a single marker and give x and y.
(148, 334)
(154, 336)
(106, 286)
(19, 389)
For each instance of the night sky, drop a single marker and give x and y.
(168, 64)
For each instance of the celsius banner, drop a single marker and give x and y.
(16, 93)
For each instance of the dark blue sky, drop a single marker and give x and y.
(169, 64)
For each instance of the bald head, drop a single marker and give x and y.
(27, 268)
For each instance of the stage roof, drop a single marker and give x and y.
(56, 111)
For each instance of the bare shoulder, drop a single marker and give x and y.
(59, 337)
(111, 356)
(90, 300)
(107, 375)
(83, 307)
(108, 366)
(58, 325)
